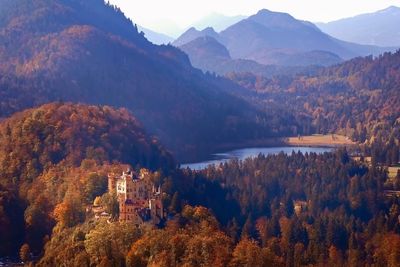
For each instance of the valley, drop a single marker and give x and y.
(251, 152)
(316, 140)
(251, 140)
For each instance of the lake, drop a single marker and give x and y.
(244, 153)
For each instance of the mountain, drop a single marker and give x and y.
(192, 34)
(217, 21)
(308, 58)
(87, 51)
(205, 48)
(273, 38)
(379, 28)
(268, 35)
(155, 37)
(67, 133)
(208, 54)
(351, 98)
(55, 139)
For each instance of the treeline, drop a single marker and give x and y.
(305, 209)
(359, 98)
(277, 210)
(61, 153)
(89, 52)
(283, 210)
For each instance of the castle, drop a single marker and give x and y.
(139, 200)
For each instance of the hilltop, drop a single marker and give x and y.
(42, 147)
(88, 51)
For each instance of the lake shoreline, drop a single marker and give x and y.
(242, 154)
(316, 140)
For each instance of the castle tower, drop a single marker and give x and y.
(112, 182)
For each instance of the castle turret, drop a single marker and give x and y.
(112, 182)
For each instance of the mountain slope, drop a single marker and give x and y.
(380, 28)
(68, 133)
(262, 37)
(205, 50)
(279, 39)
(208, 54)
(155, 37)
(358, 98)
(87, 51)
(54, 139)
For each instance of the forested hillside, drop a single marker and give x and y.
(318, 210)
(42, 147)
(87, 51)
(83, 94)
(283, 210)
(207, 54)
(359, 98)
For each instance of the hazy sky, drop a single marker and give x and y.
(157, 14)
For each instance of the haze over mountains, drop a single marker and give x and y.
(89, 52)
(379, 28)
(207, 54)
(375, 29)
(155, 37)
(84, 96)
(192, 34)
(274, 38)
(217, 21)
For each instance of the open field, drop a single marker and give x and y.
(319, 140)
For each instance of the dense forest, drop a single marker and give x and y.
(285, 210)
(88, 51)
(64, 50)
(42, 147)
(145, 106)
(305, 209)
(359, 98)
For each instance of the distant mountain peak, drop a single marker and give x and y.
(192, 33)
(270, 18)
(267, 37)
(191, 29)
(91, 53)
(267, 12)
(392, 8)
(208, 29)
(264, 11)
